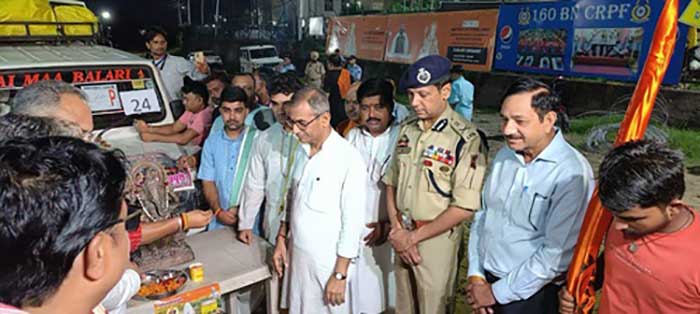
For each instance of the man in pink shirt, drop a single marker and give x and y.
(648, 265)
(192, 127)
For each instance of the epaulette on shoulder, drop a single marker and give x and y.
(463, 127)
(409, 120)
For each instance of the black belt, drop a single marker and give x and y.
(491, 278)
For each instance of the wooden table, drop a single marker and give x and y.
(230, 263)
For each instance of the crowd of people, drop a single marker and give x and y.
(364, 201)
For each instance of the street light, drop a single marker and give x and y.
(106, 15)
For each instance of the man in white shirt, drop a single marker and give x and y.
(173, 69)
(269, 166)
(375, 140)
(325, 216)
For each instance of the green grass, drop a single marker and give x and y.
(583, 125)
(685, 140)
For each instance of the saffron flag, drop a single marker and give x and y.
(597, 220)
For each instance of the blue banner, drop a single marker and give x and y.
(587, 38)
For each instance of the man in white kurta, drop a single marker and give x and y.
(326, 215)
(269, 167)
(373, 288)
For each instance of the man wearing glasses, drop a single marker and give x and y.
(325, 216)
(62, 220)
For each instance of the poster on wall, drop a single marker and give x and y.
(361, 36)
(468, 38)
(411, 37)
(465, 37)
(589, 38)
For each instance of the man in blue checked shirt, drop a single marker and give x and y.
(533, 204)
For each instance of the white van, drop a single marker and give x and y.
(120, 86)
(257, 57)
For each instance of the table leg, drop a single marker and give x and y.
(272, 287)
(231, 301)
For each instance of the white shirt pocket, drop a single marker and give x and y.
(323, 195)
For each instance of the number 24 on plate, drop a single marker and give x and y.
(139, 101)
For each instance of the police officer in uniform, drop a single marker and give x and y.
(433, 185)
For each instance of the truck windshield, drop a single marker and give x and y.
(116, 94)
(263, 53)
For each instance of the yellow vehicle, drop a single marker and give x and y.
(58, 40)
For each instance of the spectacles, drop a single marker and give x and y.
(301, 124)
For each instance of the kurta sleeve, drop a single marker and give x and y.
(254, 186)
(352, 210)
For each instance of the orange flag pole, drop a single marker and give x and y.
(597, 220)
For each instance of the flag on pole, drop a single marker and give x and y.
(597, 220)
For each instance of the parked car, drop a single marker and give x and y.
(212, 58)
(258, 57)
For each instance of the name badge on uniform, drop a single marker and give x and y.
(439, 154)
(402, 145)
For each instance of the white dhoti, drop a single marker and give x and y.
(373, 286)
(307, 285)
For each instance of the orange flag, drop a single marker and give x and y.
(597, 220)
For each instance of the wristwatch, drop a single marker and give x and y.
(340, 276)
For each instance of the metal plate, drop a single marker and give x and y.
(166, 282)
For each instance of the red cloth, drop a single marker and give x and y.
(135, 239)
(659, 277)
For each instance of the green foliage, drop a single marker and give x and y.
(406, 6)
(685, 140)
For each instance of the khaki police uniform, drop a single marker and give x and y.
(433, 169)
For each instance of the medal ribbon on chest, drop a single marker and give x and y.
(439, 154)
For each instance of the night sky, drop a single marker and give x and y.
(128, 16)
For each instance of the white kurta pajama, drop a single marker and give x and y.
(373, 286)
(326, 219)
(266, 178)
